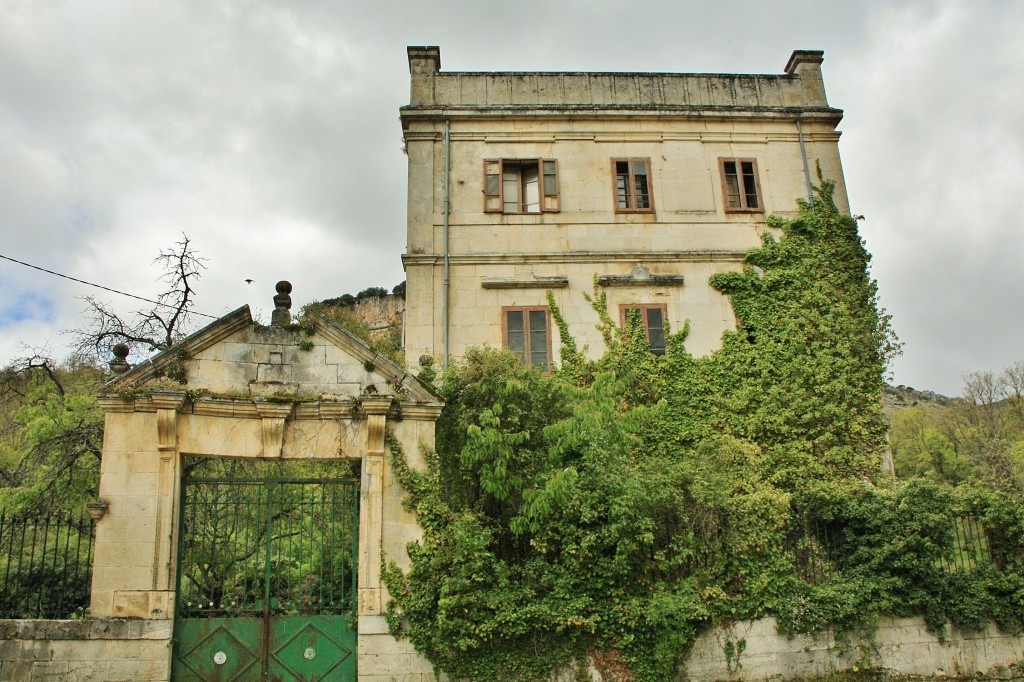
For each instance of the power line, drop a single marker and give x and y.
(100, 286)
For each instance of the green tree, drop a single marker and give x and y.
(49, 459)
(53, 425)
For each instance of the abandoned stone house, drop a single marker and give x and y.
(648, 184)
(519, 183)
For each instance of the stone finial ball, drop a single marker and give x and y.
(120, 350)
(284, 287)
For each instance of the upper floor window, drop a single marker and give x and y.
(525, 331)
(740, 186)
(632, 186)
(652, 317)
(520, 185)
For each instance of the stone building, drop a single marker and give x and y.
(648, 183)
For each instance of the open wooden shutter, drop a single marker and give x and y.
(492, 186)
(548, 169)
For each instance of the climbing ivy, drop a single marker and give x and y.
(608, 513)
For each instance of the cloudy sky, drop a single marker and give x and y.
(268, 132)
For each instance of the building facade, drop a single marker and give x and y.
(643, 184)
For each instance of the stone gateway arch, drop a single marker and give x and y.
(273, 573)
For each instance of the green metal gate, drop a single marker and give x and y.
(266, 580)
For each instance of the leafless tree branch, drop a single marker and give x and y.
(154, 329)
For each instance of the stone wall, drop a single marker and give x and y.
(113, 650)
(99, 650)
(382, 658)
(899, 645)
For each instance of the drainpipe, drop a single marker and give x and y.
(803, 154)
(447, 209)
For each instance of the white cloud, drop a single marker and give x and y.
(269, 133)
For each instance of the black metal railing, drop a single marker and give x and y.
(971, 549)
(45, 565)
(815, 549)
(819, 555)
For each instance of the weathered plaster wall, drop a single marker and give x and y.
(99, 650)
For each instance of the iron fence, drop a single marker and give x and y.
(819, 554)
(815, 549)
(971, 549)
(270, 546)
(45, 564)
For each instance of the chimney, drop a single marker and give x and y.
(806, 64)
(424, 60)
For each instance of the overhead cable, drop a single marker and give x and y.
(100, 286)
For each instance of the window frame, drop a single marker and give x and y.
(631, 186)
(494, 197)
(624, 309)
(527, 349)
(743, 193)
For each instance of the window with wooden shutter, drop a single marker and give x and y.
(520, 185)
(526, 333)
(652, 316)
(741, 189)
(632, 186)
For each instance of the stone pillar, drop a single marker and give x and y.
(133, 575)
(371, 506)
(424, 64)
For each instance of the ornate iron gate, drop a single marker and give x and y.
(266, 580)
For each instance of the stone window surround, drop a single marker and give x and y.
(494, 185)
(527, 349)
(744, 192)
(624, 309)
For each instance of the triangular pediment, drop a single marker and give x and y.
(235, 357)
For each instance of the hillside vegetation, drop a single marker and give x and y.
(976, 438)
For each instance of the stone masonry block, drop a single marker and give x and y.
(10, 650)
(83, 650)
(419, 664)
(15, 670)
(384, 664)
(373, 625)
(113, 578)
(36, 650)
(50, 671)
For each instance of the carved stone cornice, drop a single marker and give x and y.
(421, 412)
(640, 276)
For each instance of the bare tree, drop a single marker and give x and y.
(156, 328)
